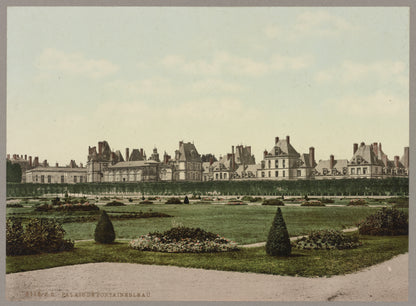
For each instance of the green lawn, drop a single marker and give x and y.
(242, 223)
(302, 263)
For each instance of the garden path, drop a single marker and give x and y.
(387, 281)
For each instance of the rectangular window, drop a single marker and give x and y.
(75, 179)
(262, 174)
(358, 171)
(352, 170)
(276, 174)
(283, 173)
(376, 170)
(225, 176)
(299, 173)
(36, 178)
(284, 163)
(62, 179)
(270, 174)
(216, 176)
(221, 176)
(42, 179)
(365, 170)
(276, 163)
(49, 179)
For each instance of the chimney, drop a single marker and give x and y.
(354, 148)
(265, 153)
(180, 143)
(229, 156)
(312, 156)
(81, 165)
(100, 148)
(141, 152)
(331, 161)
(396, 161)
(287, 139)
(375, 148)
(127, 154)
(8, 156)
(211, 161)
(45, 163)
(25, 157)
(36, 161)
(379, 147)
(385, 160)
(406, 157)
(249, 149)
(362, 144)
(14, 156)
(21, 156)
(30, 161)
(276, 140)
(233, 157)
(56, 165)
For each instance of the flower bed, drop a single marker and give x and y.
(236, 202)
(183, 240)
(67, 207)
(273, 202)
(312, 203)
(327, 240)
(115, 203)
(357, 202)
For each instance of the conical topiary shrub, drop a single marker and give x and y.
(278, 242)
(104, 232)
(186, 201)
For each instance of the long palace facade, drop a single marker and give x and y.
(281, 162)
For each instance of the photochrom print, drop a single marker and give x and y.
(188, 153)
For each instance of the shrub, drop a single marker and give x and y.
(14, 205)
(327, 240)
(183, 240)
(152, 198)
(312, 203)
(186, 200)
(385, 222)
(104, 232)
(115, 203)
(130, 200)
(146, 202)
(173, 201)
(39, 235)
(278, 242)
(357, 202)
(274, 202)
(56, 201)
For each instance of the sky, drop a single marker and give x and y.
(145, 77)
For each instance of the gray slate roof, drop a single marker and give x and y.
(134, 164)
(283, 148)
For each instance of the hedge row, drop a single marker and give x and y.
(344, 187)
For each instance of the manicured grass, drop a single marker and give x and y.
(301, 263)
(242, 223)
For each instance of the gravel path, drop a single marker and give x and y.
(387, 281)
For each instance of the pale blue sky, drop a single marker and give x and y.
(145, 77)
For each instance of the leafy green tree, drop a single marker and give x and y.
(13, 172)
(104, 232)
(278, 242)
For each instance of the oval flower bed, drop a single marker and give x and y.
(183, 240)
(67, 207)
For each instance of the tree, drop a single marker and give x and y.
(278, 242)
(104, 232)
(13, 172)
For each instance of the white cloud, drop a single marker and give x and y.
(216, 85)
(56, 61)
(379, 103)
(151, 86)
(310, 23)
(224, 63)
(349, 71)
